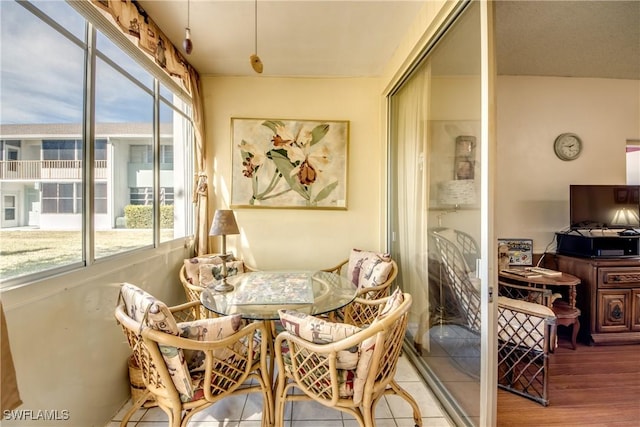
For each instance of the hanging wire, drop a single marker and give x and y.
(255, 26)
(256, 62)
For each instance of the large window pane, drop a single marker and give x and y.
(113, 52)
(41, 93)
(176, 132)
(42, 147)
(124, 115)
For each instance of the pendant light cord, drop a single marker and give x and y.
(255, 26)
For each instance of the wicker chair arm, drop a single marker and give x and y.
(163, 338)
(338, 268)
(327, 348)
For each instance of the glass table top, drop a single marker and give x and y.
(259, 295)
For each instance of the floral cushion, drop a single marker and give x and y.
(192, 267)
(145, 308)
(209, 330)
(320, 331)
(210, 273)
(368, 346)
(367, 269)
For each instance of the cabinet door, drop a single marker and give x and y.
(635, 310)
(614, 310)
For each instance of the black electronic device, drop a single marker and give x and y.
(596, 207)
(597, 245)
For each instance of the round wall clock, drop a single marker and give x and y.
(568, 146)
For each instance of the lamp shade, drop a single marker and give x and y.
(224, 223)
(457, 192)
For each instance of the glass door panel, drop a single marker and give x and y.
(435, 212)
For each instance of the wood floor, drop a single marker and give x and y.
(589, 386)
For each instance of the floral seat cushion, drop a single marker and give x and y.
(185, 366)
(192, 267)
(146, 309)
(210, 330)
(319, 331)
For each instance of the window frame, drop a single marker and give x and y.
(92, 148)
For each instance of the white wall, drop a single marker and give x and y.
(300, 238)
(532, 185)
(68, 351)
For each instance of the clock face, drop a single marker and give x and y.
(568, 146)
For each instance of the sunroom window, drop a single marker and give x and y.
(50, 137)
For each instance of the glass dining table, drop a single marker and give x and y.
(258, 295)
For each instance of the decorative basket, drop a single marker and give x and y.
(137, 383)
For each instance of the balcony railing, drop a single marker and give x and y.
(42, 170)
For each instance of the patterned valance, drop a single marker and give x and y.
(134, 22)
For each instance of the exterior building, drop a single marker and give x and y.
(41, 170)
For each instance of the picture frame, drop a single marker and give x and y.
(286, 163)
(520, 251)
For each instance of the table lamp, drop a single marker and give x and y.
(224, 223)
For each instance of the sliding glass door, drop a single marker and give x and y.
(439, 212)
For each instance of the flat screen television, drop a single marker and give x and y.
(604, 206)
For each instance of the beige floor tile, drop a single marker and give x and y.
(379, 423)
(228, 409)
(405, 371)
(135, 417)
(152, 424)
(314, 411)
(400, 408)
(253, 407)
(155, 414)
(381, 411)
(430, 422)
(316, 423)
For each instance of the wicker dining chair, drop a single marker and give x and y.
(372, 274)
(191, 270)
(324, 374)
(526, 329)
(188, 366)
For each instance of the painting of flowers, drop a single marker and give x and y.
(289, 163)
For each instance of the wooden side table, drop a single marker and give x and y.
(567, 316)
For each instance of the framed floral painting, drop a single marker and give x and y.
(289, 163)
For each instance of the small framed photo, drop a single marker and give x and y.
(520, 251)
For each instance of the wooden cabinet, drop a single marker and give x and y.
(609, 296)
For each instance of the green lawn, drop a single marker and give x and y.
(28, 251)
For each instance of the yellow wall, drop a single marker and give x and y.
(67, 348)
(300, 238)
(532, 185)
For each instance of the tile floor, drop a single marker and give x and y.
(246, 411)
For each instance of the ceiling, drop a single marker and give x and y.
(357, 38)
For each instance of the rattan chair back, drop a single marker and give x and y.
(245, 354)
(312, 368)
